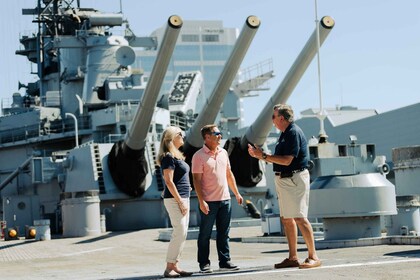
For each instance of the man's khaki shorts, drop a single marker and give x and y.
(293, 195)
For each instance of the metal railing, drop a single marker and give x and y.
(43, 128)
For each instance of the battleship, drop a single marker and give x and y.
(78, 150)
(85, 158)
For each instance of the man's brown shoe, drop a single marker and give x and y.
(287, 263)
(310, 263)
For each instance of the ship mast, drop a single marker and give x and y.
(321, 114)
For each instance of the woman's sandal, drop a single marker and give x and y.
(171, 274)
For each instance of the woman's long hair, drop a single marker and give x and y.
(167, 146)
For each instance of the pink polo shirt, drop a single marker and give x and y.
(213, 166)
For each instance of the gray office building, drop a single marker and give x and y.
(202, 46)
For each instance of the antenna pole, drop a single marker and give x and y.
(321, 115)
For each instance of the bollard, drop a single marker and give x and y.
(42, 228)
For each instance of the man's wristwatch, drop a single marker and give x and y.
(264, 155)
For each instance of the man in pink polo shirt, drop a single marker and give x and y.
(212, 179)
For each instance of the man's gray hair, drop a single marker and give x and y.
(286, 111)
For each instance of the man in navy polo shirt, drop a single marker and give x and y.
(290, 161)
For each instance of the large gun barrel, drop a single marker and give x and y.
(135, 137)
(246, 169)
(126, 160)
(258, 131)
(209, 112)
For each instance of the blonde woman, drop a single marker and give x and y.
(176, 196)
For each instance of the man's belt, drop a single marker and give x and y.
(288, 174)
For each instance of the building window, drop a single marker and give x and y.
(190, 38)
(187, 52)
(216, 52)
(210, 38)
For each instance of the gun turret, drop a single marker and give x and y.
(209, 113)
(126, 160)
(246, 168)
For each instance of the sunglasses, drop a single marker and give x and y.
(217, 133)
(180, 134)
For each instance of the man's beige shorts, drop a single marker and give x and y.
(293, 195)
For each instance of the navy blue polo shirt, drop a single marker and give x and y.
(181, 175)
(292, 142)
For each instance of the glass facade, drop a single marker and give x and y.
(216, 52)
(187, 53)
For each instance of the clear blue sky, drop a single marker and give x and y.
(370, 59)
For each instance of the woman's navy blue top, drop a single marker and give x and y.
(181, 175)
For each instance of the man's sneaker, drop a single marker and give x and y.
(205, 268)
(228, 266)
